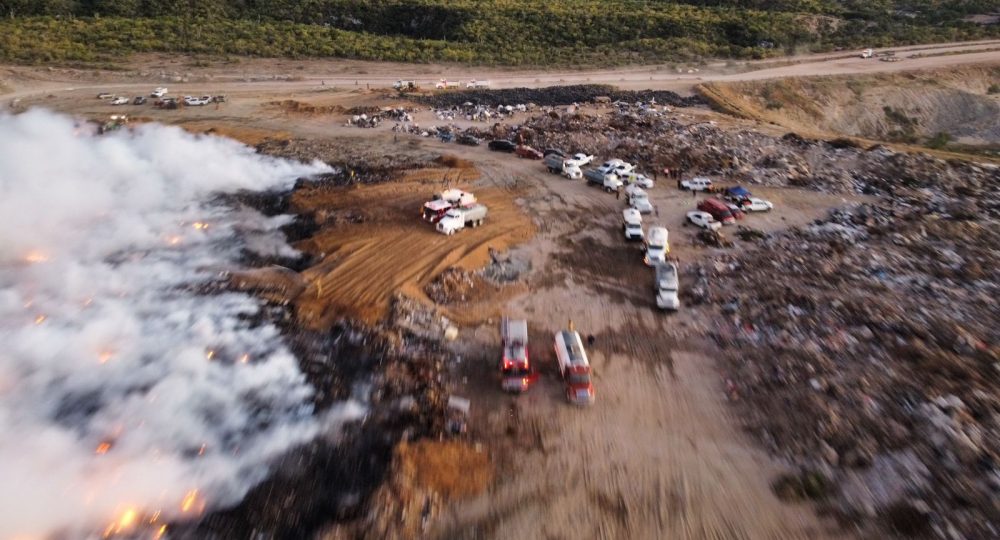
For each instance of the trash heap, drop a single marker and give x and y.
(558, 95)
(863, 348)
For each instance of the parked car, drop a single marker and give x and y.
(638, 179)
(719, 210)
(632, 224)
(572, 172)
(197, 102)
(158, 93)
(139, 100)
(555, 151)
(527, 152)
(468, 140)
(105, 95)
(120, 100)
(616, 166)
(737, 213)
(502, 145)
(218, 99)
(703, 220)
(580, 159)
(753, 204)
(698, 183)
(165, 103)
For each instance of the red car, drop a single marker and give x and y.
(528, 152)
(719, 210)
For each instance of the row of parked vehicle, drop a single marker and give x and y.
(732, 204)
(162, 101)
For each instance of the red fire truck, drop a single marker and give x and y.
(515, 366)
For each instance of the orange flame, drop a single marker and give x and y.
(40, 319)
(200, 225)
(192, 502)
(103, 448)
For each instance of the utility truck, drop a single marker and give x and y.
(436, 208)
(458, 218)
(445, 84)
(608, 181)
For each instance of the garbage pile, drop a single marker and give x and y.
(480, 113)
(452, 285)
(371, 119)
(863, 348)
(558, 95)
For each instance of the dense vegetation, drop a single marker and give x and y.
(514, 32)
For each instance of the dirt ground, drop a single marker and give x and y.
(661, 454)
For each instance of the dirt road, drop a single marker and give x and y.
(141, 72)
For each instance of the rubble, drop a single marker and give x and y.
(877, 327)
(558, 95)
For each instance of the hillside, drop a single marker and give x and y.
(957, 108)
(512, 32)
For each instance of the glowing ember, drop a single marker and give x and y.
(201, 451)
(245, 358)
(104, 356)
(103, 448)
(36, 257)
(174, 240)
(210, 354)
(162, 530)
(192, 503)
(40, 319)
(200, 225)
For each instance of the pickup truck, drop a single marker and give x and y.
(457, 219)
(158, 92)
(703, 220)
(666, 287)
(444, 84)
(699, 183)
(657, 246)
(608, 181)
(616, 166)
(477, 84)
(638, 179)
(638, 199)
(580, 159)
(632, 223)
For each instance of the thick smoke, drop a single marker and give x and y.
(124, 396)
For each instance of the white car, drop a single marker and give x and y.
(120, 100)
(756, 205)
(572, 172)
(698, 183)
(638, 179)
(703, 220)
(159, 92)
(666, 287)
(579, 160)
(203, 100)
(616, 166)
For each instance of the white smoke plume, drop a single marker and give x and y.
(125, 397)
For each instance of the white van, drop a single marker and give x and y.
(657, 246)
(632, 223)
